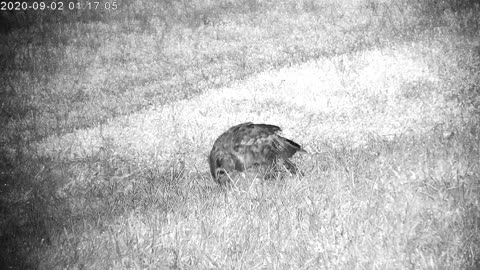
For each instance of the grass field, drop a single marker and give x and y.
(108, 116)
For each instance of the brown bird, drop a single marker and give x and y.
(246, 145)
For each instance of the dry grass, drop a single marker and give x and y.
(392, 175)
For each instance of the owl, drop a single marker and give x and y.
(247, 145)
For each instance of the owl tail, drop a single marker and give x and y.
(287, 148)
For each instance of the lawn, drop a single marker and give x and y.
(108, 117)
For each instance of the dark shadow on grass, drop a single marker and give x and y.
(31, 212)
